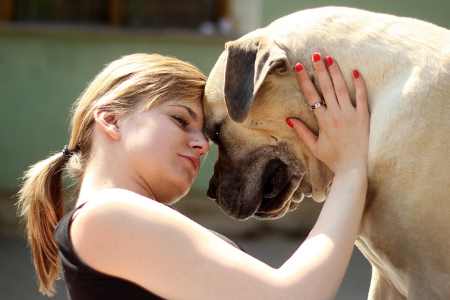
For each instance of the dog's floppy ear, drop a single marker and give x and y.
(249, 61)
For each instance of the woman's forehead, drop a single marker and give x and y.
(193, 104)
(193, 107)
(188, 101)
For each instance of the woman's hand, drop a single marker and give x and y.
(343, 138)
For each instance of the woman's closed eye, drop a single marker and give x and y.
(181, 121)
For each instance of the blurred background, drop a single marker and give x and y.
(51, 49)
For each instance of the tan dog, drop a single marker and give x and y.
(264, 171)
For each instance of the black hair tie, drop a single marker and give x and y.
(68, 153)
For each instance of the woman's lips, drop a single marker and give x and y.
(194, 161)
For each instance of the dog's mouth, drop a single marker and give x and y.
(266, 184)
(271, 195)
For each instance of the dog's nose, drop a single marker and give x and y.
(275, 178)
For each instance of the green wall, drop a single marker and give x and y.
(435, 11)
(43, 71)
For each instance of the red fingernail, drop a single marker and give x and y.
(316, 57)
(298, 67)
(355, 74)
(290, 123)
(329, 60)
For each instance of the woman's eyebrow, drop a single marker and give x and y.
(190, 111)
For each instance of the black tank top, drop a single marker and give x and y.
(85, 283)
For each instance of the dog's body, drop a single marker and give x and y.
(264, 170)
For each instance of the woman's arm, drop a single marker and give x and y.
(320, 263)
(129, 236)
(342, 144)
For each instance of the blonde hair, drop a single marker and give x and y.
(129, 83)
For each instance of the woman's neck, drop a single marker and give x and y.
(102, 173)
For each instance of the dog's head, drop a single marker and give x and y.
(263, 169)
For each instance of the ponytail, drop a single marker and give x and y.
(41, 206)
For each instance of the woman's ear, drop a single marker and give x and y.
(108, 123)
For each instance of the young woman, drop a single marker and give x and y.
(135, 147)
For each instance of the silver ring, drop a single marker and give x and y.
(317, 104)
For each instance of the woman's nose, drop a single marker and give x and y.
(200, 143)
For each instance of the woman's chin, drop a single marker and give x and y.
(178, 193)
(175, 188)
(175, 199)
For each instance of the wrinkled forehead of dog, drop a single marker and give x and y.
(239, 74)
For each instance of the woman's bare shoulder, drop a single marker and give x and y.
(114, 216)
(117, 203)
(118, 209)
